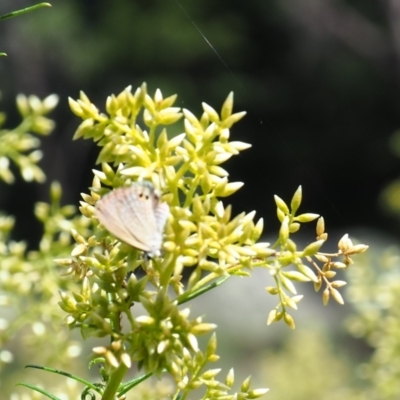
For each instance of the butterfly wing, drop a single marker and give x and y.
(135, 216)
(139, 219)
(110, 211)
(161, 214)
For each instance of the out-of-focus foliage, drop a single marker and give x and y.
(391, 193)
(374, 291)
(18, 144)
(315, 370)
(29, 284)
(373, 374)
(29, 280)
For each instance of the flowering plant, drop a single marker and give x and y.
(204, 245)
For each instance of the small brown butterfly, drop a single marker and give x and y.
(135, 215)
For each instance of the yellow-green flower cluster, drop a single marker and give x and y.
(186, 168)
(200, 233)
(141, 139)
(30, 284)
(18, 145)
(196, 375)
(288, 255)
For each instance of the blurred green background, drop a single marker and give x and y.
(319, 80)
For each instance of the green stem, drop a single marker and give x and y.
(181, 171)
(152, 140)
(179, 174)
(192, 190)
(114, 316)
(211, 276)
(166, 275)
(201, 287)
(114, 383)
(194, 378)
(192, 295)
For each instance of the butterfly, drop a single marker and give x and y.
(135, 215)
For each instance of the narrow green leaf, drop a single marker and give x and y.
(24, 11)
(67, 374)
(183, 299)
(40, 390)
(126, 387)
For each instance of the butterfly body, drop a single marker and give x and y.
(135, 215)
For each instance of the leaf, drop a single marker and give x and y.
(63, 373)
(40, 390)
(24, 11)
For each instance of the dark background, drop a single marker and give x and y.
(318, 78)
